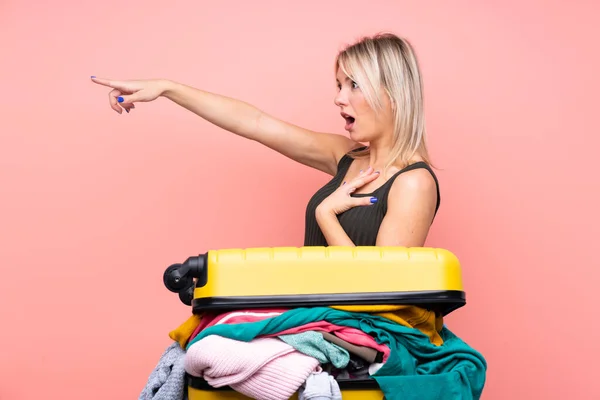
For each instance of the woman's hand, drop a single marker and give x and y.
(340, 200)
(125, 93)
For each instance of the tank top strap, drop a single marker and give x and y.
(343, 166)
(345, 162)
(420, 164)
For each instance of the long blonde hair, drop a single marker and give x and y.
(386, 64)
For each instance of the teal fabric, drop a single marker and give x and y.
(415, 369)
(313, 344)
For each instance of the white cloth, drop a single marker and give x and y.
(320, 386)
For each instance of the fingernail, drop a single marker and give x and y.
(92, 76)
(120, 99)
(373, 200)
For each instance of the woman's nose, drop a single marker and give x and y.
(340, 98)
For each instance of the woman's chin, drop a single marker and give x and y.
(357, 137)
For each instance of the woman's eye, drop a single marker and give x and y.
(354, 85)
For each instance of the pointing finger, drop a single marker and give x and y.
(108, 82)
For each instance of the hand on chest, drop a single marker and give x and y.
(364, 182)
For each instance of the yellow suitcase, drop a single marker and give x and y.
(286, 277)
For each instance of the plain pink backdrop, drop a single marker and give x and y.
(94, 206)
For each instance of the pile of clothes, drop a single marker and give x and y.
(270, 354)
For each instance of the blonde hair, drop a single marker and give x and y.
(387, 64)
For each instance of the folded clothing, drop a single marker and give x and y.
(262, 369)
(366, 353)
(422, 319)
(349, 334)
(427, 321)
(313, 344)
(242, 316)
(415, 369)
(167, 380)
(184, 332)
(235, 317)
(320, 386)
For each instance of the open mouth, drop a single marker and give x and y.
(349, 121)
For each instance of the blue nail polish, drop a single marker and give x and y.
(120, 99)
(373, 200)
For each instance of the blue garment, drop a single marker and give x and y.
(415, 369)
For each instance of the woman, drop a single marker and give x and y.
(383, 194)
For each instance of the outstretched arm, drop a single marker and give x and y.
(318, 150)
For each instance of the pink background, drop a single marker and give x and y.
(94, 206)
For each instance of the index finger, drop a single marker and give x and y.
(107, 82)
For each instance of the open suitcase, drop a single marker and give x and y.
(284, 277)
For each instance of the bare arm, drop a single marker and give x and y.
(411, 206)
(333, 232)
(314, 149)
(318, 150)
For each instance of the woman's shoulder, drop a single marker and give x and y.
(417, 181)
(420, 177)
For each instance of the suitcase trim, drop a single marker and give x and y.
(443, 301)
(344, 384)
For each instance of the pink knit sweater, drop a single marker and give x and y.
(263, 369)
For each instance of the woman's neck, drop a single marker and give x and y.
(379, 153)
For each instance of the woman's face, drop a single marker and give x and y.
(362, 122)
